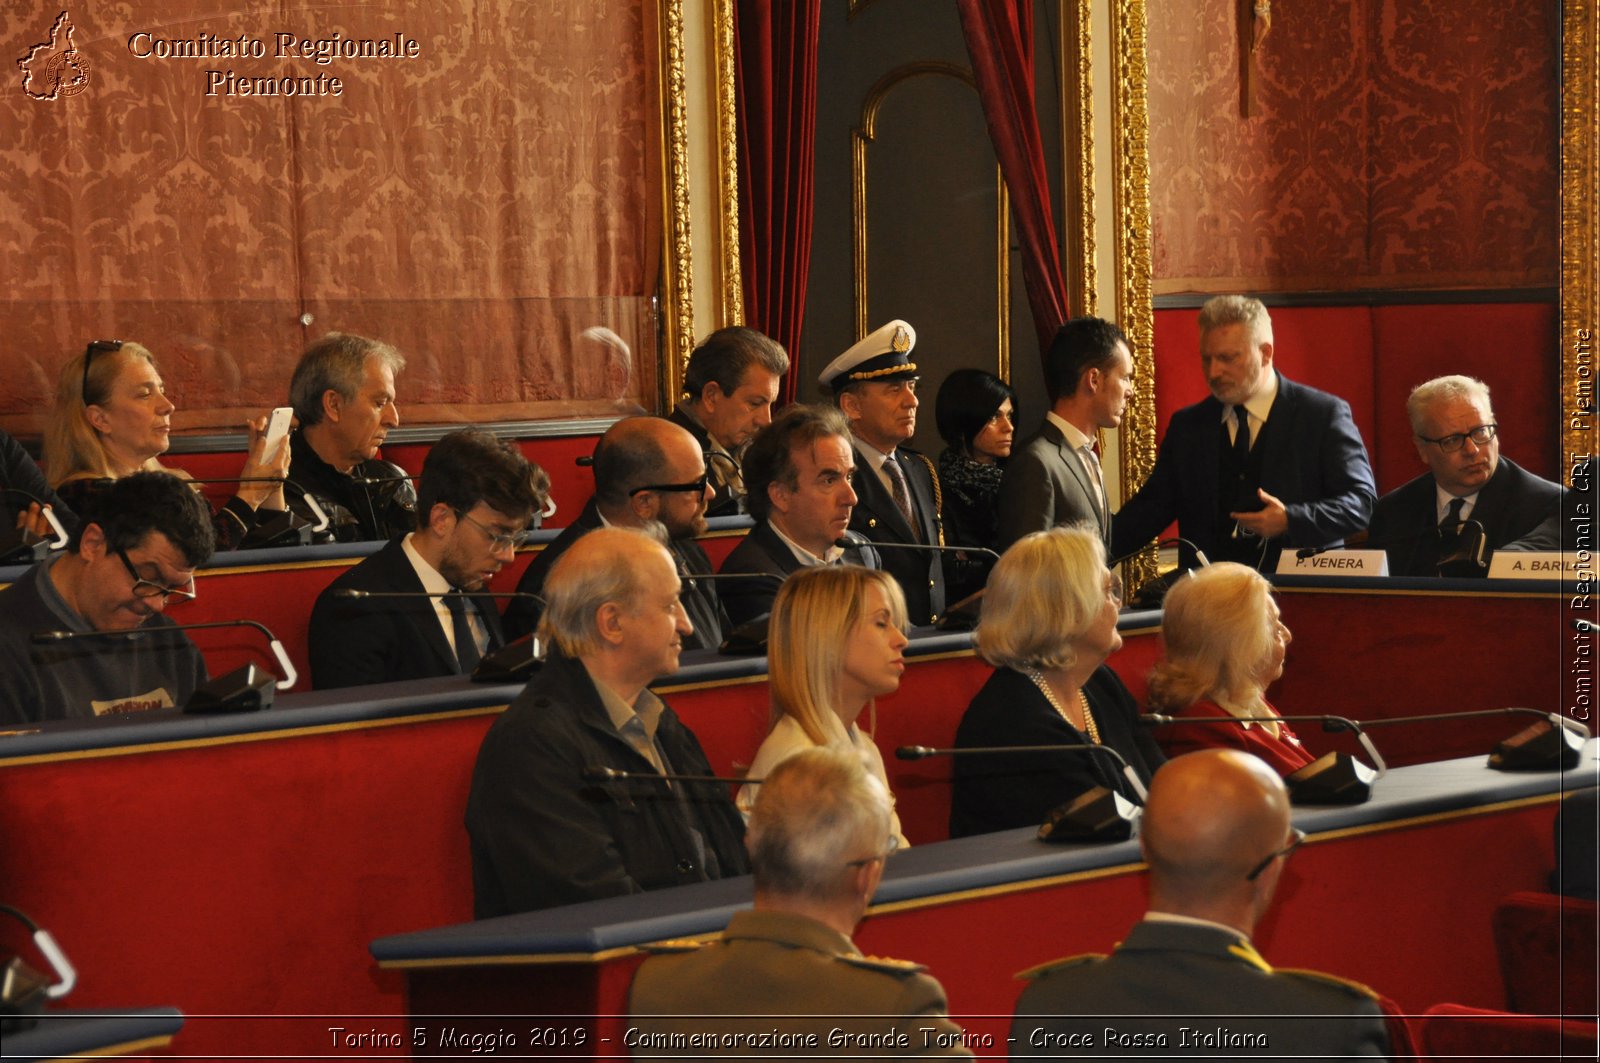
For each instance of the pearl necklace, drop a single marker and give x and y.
(1083, 703)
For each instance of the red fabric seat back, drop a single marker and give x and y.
(1546, 945)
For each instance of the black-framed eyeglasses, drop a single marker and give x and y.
(149, 588)
(1296, 837)
(95, 347)
(894, 843)
(697, 486)
(1480, 434)
(497, 540)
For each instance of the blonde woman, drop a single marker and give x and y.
(112, 418)
(837, 642)
(1224, 645)
(1049, 622)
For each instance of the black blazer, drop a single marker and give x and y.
(876, 518)
(356, 641)
(1313, 460)
(724, 503)
(541, 835)
(763, 553)
(1166, 976)
(1510, 506)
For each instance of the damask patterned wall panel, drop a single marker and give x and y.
(484, 200)
(1396, 144)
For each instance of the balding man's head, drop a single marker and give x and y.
(1210, 819)
(649, 469)
(608, 574)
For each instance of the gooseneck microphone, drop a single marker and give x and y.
(1331, 779)
(290, 676)
(599, 773)
(875, 544)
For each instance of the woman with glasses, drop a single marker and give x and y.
(112, 418)
(976, 414)
(1224, 645)
(837, 642)
(1049, 622)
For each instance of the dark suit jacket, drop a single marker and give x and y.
(700, 601)
(763, 553)
(1167, 976)
(1510, 506)
(1314, 462)
(1046, 485)
(354, 642)
(724, 502)
(542, 836)
(920, 573)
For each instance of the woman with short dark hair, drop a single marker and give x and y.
(976, 414)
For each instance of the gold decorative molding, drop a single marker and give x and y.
(677, 280)
(1002, 297)
(1130, 118)
(1580, 230)
(726, 55)
(861, 138)
(1077, 151)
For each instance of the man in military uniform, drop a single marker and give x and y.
(785, 979)
(1186, 981)
(897, 490)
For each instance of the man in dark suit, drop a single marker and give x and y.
(1421, 524)
(1056, 477)
(542, 833)
(729, 387)
(897, 490)
(799, 473)
(1297, 475)
(819, 837)
(650, 475)
(1186, 980)
(476, 498)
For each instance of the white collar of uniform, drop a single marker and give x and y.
(1259, 405)
(1075, 439)
(801, 554)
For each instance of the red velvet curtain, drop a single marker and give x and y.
(777, 99)
(1000, 41)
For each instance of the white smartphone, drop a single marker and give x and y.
(277, 431)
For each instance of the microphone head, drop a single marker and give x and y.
(349, 592)
(597, 773)
(913, 752)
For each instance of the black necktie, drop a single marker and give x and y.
(1241, 435)
(1452, 518)
(467, 654)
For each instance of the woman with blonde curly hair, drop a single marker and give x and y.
(1224, 645)
(112, 418)
(1049, 622)
(836, 642)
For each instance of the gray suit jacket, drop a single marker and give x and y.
(1165, 978)
(1046, 485)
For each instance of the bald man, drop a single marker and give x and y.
(542, 834)
(649, 474)
(1186, 980)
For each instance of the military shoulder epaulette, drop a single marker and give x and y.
(884, 964)
(1054, 965)
(1358, 989)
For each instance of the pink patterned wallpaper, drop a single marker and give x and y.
(480, 201)
(1400, 144)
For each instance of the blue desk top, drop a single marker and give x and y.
(76, 1033)
(925, 871)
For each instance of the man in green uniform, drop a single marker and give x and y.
(785, 979)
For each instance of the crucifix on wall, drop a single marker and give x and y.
(1255, 19)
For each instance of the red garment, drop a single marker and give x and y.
(1284, 753)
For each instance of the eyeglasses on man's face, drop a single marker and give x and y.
(1480, 435)
(499, 541)
(149, 588)
(1296, 836)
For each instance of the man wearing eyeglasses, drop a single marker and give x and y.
(134, 555)
(785, 979)
(1468, 481)
(649, 475)
(475, 501)
(1185, 980)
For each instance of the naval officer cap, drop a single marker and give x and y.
(883, 355)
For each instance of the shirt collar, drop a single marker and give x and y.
(801, 554)
(1259, 404)
(871, 453)
(1443, 498)
(432, 581)
(1076, 439)
(646, 708)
